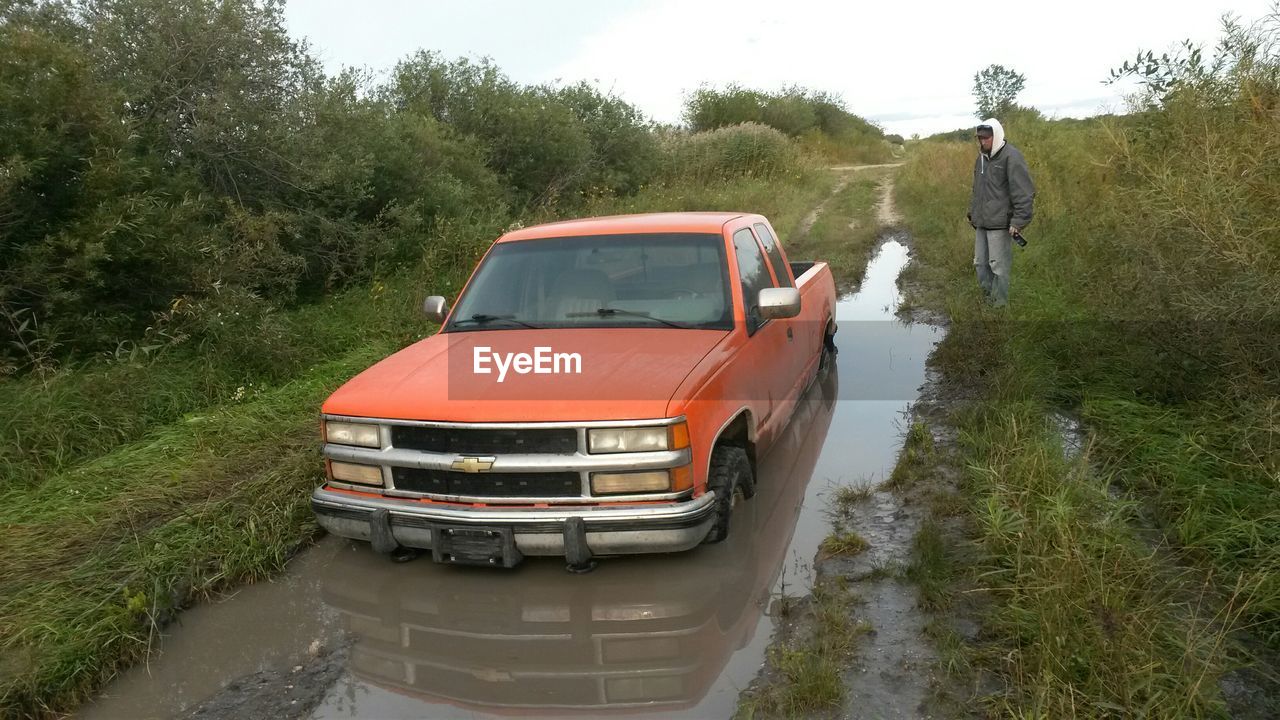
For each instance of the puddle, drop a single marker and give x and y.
(676, 636)
(1071, 433)
(259, 628)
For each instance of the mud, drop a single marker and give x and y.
(916, 667)
(275, 693)
(886, 214)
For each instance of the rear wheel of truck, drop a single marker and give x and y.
(829, 349)
(730, 476)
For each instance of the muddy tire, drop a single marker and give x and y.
(730, 477)
(829, 349)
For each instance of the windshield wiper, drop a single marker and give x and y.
(608, 312)
(481, 319)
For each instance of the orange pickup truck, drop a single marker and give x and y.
(603, 386)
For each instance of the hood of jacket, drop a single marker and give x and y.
(997, 135)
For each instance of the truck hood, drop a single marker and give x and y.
(579, 374)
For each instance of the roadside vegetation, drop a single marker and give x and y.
(1131, 578)
(817, 120)
(204, 235)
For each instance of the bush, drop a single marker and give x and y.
(750, 149)
(163, 163)
(708, 109)
(821, 121)
(549, 145)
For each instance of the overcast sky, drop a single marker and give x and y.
(906, 65)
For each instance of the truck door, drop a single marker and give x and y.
(805, 339)
(768, 349)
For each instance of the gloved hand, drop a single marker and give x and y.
(969, 216)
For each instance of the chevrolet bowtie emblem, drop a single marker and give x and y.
(473, 464)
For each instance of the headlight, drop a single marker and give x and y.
(345, 433)
(353, 473)
(641, 439)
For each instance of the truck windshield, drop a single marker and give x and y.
(659, 280)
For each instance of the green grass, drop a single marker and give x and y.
(846, 497)
(784, 201)
(915, 461)
(842, 542)
(1087, 618)
(138, 485)
(930, 566)
(99, 555)
(807, 671)
(953, 656)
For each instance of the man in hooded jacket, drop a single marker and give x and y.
(1000, 207)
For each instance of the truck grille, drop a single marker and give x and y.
(475, 441)
(499, 484)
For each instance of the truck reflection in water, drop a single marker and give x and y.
(643, 632)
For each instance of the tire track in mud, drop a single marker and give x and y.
(846, 176)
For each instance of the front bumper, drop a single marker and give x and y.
(609, 530)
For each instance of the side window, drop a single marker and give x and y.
(754, 275)
(780, 268)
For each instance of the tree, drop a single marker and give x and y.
(996, 89)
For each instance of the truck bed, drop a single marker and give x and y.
(800, 267)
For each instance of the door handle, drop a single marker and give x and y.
(789, 335)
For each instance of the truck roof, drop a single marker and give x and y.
(672, 222)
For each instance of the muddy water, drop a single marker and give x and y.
(675, 635)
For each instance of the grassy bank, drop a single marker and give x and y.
(108, 537)
(1119, 575)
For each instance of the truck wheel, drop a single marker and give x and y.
(829, 348)
(730, 475)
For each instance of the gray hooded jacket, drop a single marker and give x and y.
(1003, 193)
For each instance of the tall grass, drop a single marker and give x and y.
(1148, 302)
(101, 554)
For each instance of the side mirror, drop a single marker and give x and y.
(779, 303)
(435, 308)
